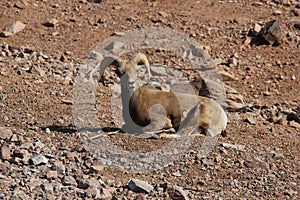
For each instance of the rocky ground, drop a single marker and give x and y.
(42, 155)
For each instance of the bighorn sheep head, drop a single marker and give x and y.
(129, 67)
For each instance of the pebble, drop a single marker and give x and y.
(137, 185)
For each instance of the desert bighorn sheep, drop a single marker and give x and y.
(138, 102)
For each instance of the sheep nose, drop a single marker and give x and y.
(131, 84)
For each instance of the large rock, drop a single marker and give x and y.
(272, 33)
(13, 28)
(38, 160)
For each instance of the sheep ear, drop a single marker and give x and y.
(141, 58)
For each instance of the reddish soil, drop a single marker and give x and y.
(266, 76)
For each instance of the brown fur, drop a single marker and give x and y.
(137, 103)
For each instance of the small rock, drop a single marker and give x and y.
(177, 174)
(98, 168)
(250, 121)
(59, 167)
(105, 194)
(255, 163)
(294, 124)
(5, 184)
(55, 33)
(38, 160)
(6, 34)
(177, 193)
(85, 183)
(51, 23)
(5, 152)
(277, 12)
(297, 26)
(5, 133)
(21, 4)
(291, 192)
(20, 153)
(141, 197)
(48, 131)
(247, 41)
(207, 162)
(119, 33)
(69, 180)
(39, 144)
(233, 146)
(163, 14)
(296, 12)
(227, 75)
(257, 28)
(233, 61)
(278, 155)
(2, 96)
(137, 185)
(37, 69)
(51, 175)
(92, 192)
(16, 138)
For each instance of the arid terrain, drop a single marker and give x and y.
(42, 155)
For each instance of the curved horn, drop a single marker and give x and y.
(141, 58)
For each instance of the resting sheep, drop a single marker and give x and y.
(162, 109)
